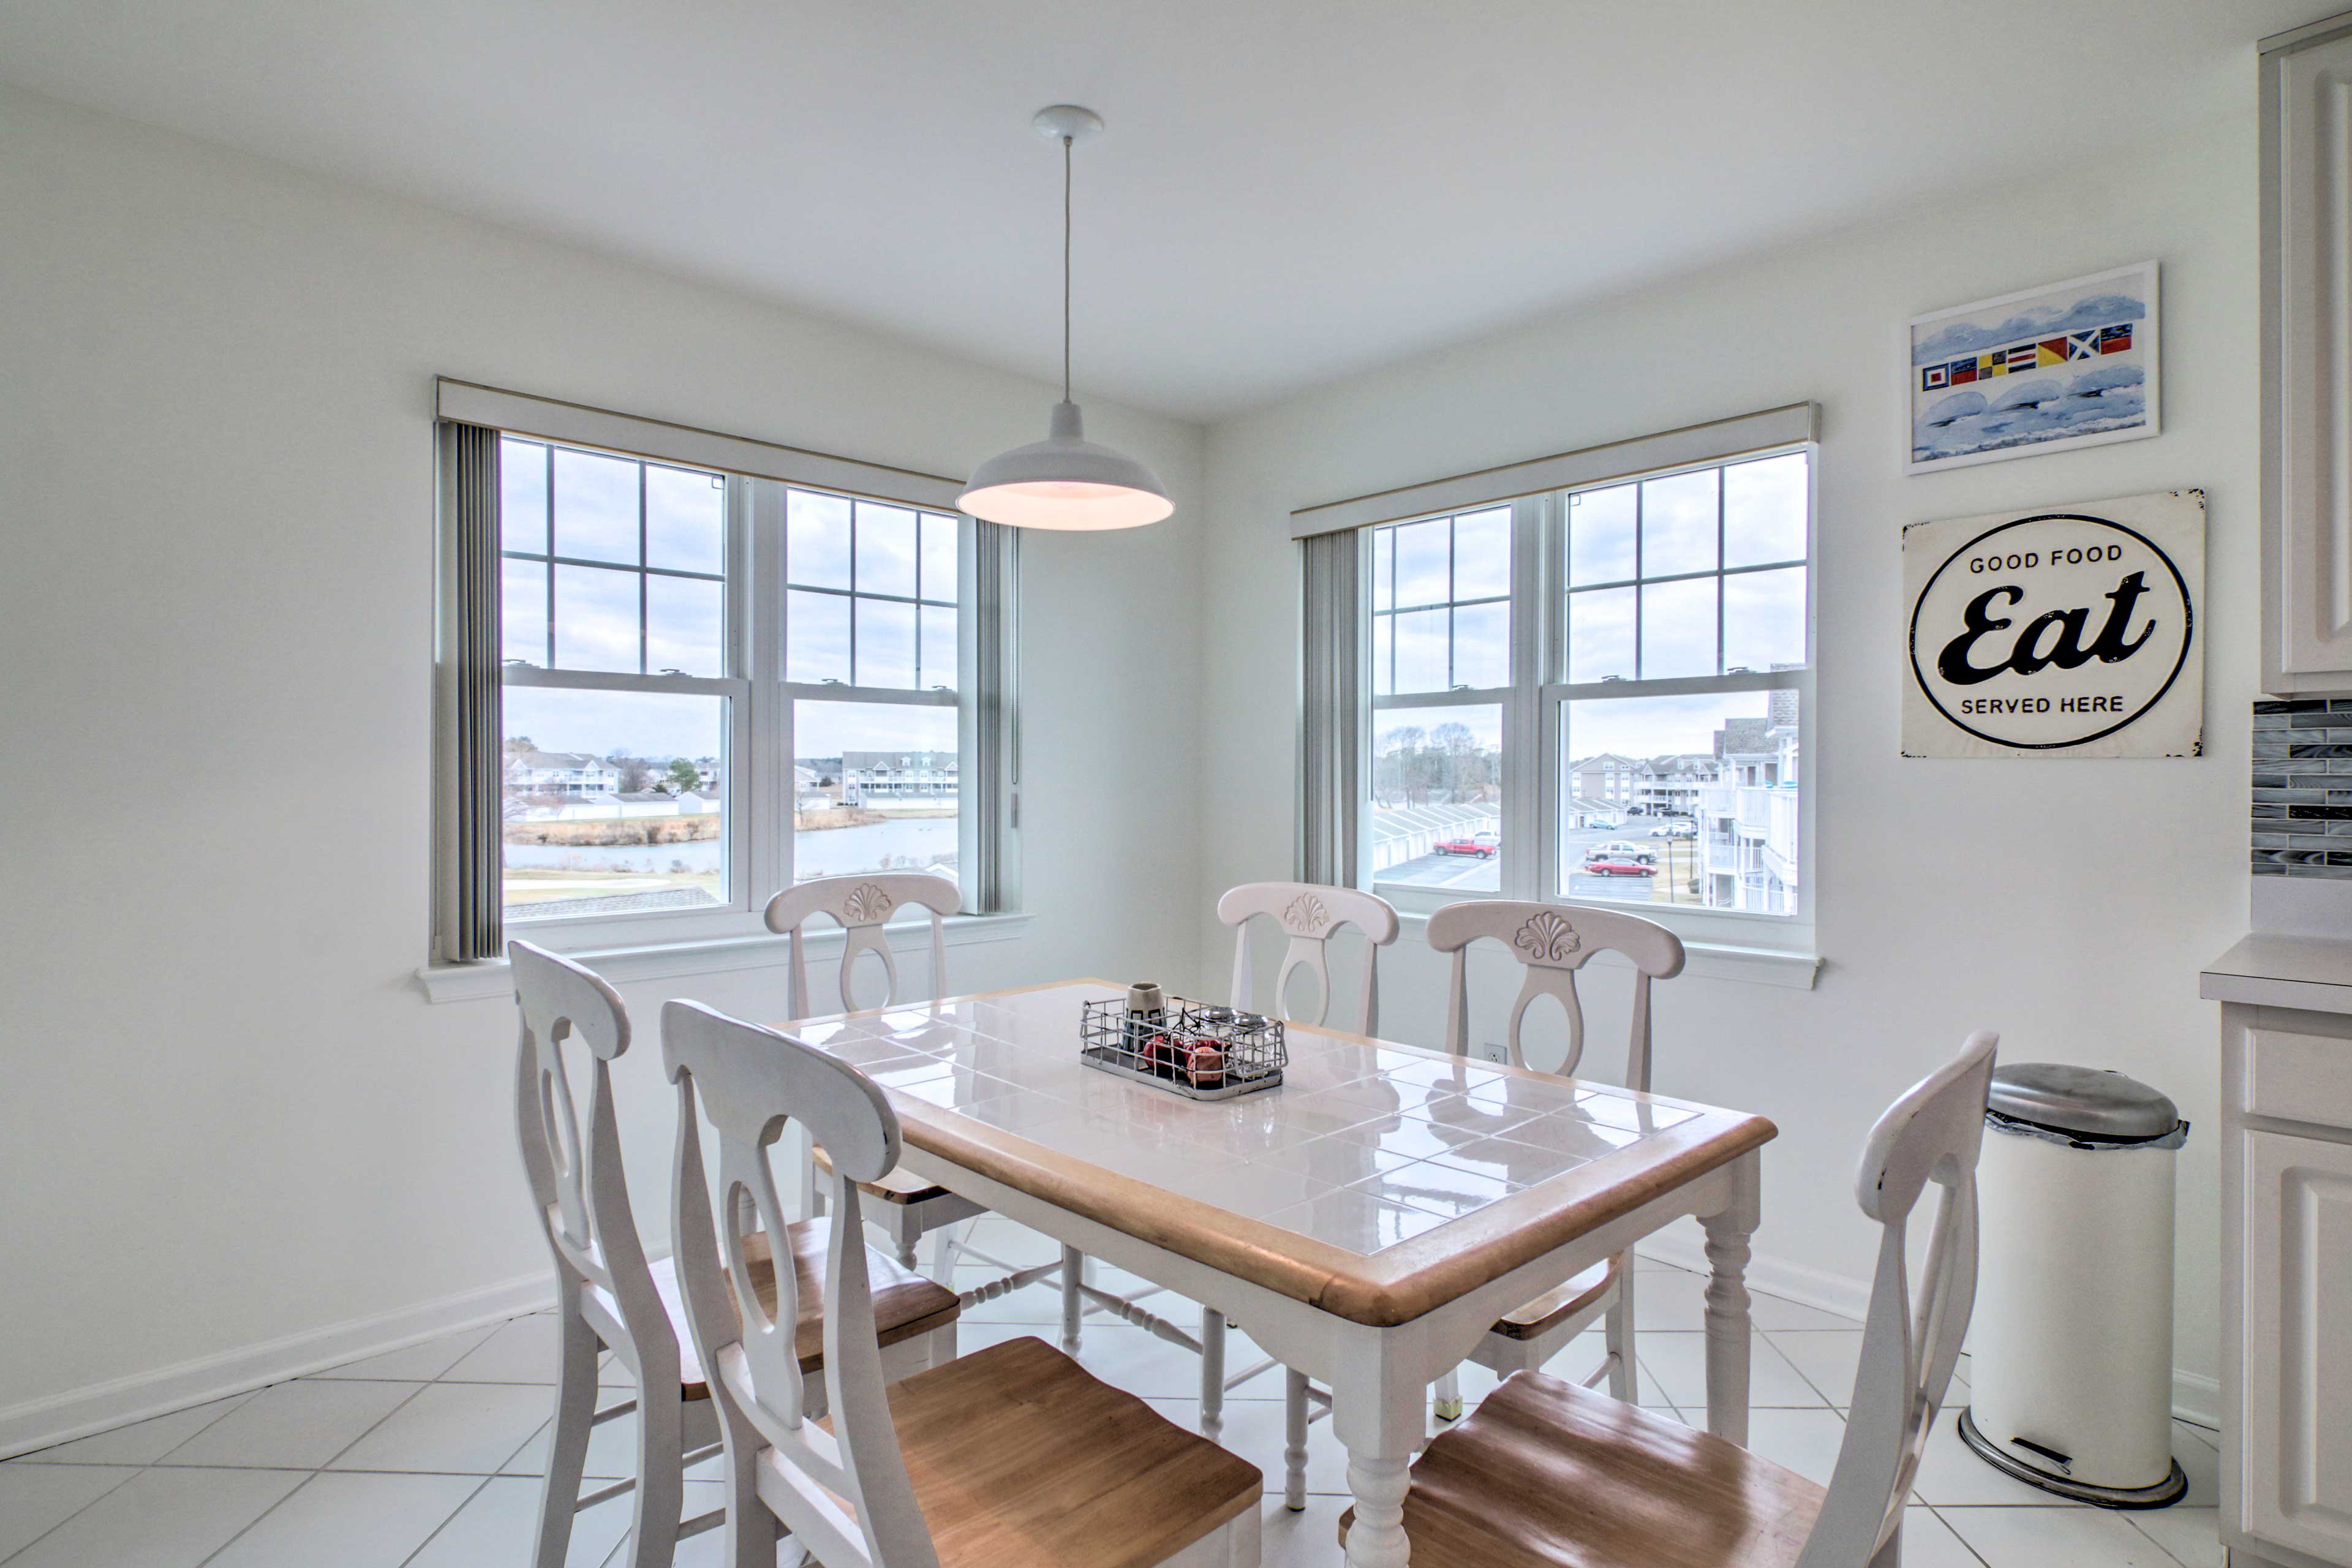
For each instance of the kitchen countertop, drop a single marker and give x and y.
(2272, 970)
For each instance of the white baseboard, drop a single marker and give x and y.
(2196, 1398)
(1797, 1282)
(61, 1417)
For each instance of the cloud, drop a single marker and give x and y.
(2038, 321)
(2027, 394)
(2106, 378)
(2105, 397)
(1960, 406)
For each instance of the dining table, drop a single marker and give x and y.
(1367, 1221)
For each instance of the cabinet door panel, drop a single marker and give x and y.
(2308, 158)
(2297, 1484)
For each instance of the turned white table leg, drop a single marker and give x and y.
(1727, 1304)
(1377, 1539)
(1074, 1306)
(1212, 1373)
(1382, 1416)
(1295, 1415)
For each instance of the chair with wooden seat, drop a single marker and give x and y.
(1547, 1474)
(1010, 1458)
(1552, 943)
(609, 1296)
(1310, 914)
(904, 1207)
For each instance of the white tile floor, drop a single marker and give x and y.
(429, 1457)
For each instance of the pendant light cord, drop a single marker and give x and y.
(1065, 267)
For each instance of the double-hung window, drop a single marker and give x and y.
(871, 670)
(625, 712)
(1594, 692)
(710, 684)
(1675, 736)
(1440, 648)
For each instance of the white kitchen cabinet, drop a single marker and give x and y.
(2286, 1235)
(2306, 208)
(2298, 1425)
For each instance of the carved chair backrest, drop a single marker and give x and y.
(1310, 915)
(845, 1493)
(860, 905)
(578, 1186)
(1552, 941)
(1930, 1135)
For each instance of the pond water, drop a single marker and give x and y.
(831, 852)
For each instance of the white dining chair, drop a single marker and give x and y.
(904, 1207)
(1547, 1474)
(1309, 914)
(1552, 943)
(1013, 1457)
(608, 1294)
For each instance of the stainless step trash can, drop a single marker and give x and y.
(2070, 1377)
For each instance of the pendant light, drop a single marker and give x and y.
(1066, 481)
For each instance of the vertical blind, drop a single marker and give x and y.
(996, 632)
(471, 926)
(1330, 708)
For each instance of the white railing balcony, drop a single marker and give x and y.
(1780, 856)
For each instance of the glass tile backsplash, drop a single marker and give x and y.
(2303, 788)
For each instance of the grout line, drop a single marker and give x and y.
(265, 1513)
(1966, 1546)
(2151, 1539)
(1802, 1375)
(136, 1471)
(316, 1471)
(435, 1533)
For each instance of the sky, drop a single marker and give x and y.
(1432, 633)
(622, 617)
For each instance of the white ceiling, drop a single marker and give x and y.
(1290, 190)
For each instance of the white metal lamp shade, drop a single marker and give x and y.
(1066, 482)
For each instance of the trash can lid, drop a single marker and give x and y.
(2084, 1102)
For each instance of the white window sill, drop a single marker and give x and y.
(665, 961)
(1708, 960)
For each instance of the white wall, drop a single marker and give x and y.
(229, 1119)
(2067, 904)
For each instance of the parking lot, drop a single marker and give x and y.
(1676, 860)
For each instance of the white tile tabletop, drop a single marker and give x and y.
(1363, 1147)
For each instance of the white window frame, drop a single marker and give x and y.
(1534, 708)
(758, 799)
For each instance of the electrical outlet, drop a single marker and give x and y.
(1493, 1051)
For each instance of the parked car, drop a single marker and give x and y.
(1484, 844)
(1675, 830)
(1621, 849)
(1618, 866)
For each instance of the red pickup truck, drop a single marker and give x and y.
(1485, 845)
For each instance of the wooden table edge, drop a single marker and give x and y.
(1381, 1290)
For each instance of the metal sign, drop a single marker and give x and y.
(2058, 632)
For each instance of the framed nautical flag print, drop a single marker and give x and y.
(2072, 365)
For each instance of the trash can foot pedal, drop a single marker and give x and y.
(2165, 1493)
